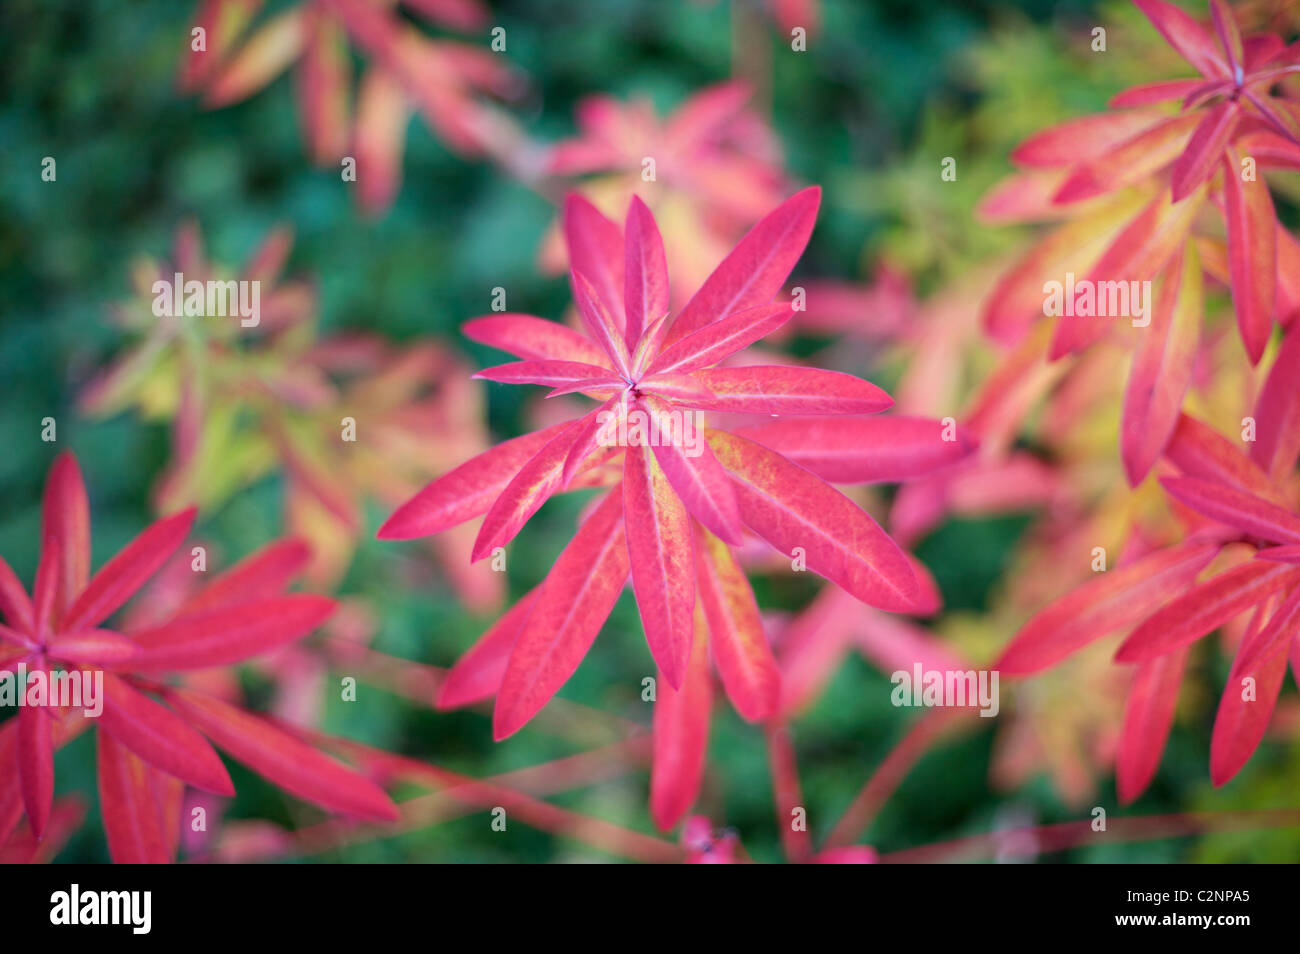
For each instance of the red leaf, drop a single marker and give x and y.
(682, 388)
(601, 323)
(534, 338)
(768, 389)
(722, 338)
(160, 737)
(681, 736)
(45, 589)
(132, 822)
(468, 490)
(1236, 508)
(863, 450)
(283, 759)
(1131, 161)
(1205, 608)
(525, 494)
(125, 573)
(1081, 140)
(15, 605)
(66, 517)
(1148, 715)
(694, 472)
(1186, 36)
(645, 271)
(595, 245)
(260, 575)
(477, 674)
(662, 556)
(574, 602)
(792, 508)
(1252, 255)
(35, 764)
(1277, 412)
(1274, 637)
(1147, 93)
(1205, 148)
(552, 374)
(1240, 722)
(1114, 600)
(100, 647)
(741, 651)
(1229, 35)
(231, 634)
(1162, 367)
(754, 271)
(383, 114)
(1138, 254)
(593, 436)
(1200, 451)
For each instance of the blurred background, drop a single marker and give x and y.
(884, 92)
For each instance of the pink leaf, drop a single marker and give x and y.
(1205, 608)
(66, 517)
(1277, 412)
(132, 822)
(230, 634)
(573, 603)
(285, 760)
(35, 764)
(1162, 368)
(767, 389)
(1148, 715)
(740, 649)
(754, 271)
(722, 338)
(863, 450)
(121, 576)
(260, 575)
(1205, 148)
(681, 736)
(1186, 36)
(161, 738)
(595, 245)
(694, 471)
(15, 605)
(645, 271)
(601, 324)
(662, 555)
(1114, 600)
(477, 674)
(792, 508)
(533, 338)
(552, 374)
(468, 490)
(1199, 451)
(1236, 508)
(1244, 714)
(96, 647)
(524, 495)
(1148, 93)
(1080, 140)
(1252, 255)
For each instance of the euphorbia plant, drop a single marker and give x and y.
(1138, 187)
(674, 507)
(149, 751)
(1234, 511)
